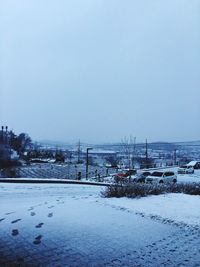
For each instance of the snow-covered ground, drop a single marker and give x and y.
(180, 208)
(73, 225)
(189, 178)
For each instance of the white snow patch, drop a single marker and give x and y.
(180, 208)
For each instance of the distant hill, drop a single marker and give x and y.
(189, 143)
(160, 145)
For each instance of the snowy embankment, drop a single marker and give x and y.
(178, 208)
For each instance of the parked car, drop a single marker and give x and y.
(185, 169)
(124, 176)
(195, 164)
(162, 177)
(126, 173)
(141, 178)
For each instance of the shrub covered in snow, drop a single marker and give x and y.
(142, 190)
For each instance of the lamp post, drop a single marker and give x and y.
(87, 160)
(6, 135)
(2, 134)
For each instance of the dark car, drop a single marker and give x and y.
(141, 178)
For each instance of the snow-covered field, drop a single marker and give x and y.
(179, 208)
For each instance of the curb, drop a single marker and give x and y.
(45, 181)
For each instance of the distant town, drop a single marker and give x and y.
(20, 156)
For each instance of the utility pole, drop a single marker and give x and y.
(78, 151)
(146, 154)
(6, 135)
(131, 151)
(87, 160)
(134, 152)
(2, 134)
(175, 156)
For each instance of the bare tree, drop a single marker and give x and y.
(112, 160)
(128, 148)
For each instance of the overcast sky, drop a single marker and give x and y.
(99, 70)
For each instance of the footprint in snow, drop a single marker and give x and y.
(15, 221)
(8, 213)
(50, 215)
(15, 232)
(50, 207)
(2, 219)
(37, 240)
(31, 208)
(39, 225)
(33, 213)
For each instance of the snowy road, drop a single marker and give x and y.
(71, 225)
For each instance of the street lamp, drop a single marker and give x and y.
(87, 160)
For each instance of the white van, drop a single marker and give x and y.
(185, 169)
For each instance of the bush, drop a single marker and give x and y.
(10, 173)
(4, 164)
(142, 190)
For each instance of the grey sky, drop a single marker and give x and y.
(99, 70)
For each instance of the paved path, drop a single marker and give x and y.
(44, 225)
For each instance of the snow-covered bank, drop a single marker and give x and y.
(180, 208)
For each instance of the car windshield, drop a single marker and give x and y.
(169, 173)
(157, 174)
(146, 173)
